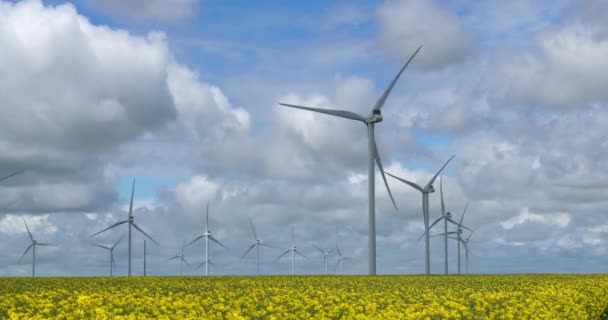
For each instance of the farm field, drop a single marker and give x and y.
(307, 297)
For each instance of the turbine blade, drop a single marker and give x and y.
(322, 251)
(438, 172)
(411, 184)
(145, 234)
(98, 245)
(117, 242)
(207, 218)
(452, 221)
(110, 227)
(463, 213)
(173, 258)
(28, 231)
(421, 236)
(379, 164)
(195, 240)
(441, 193)
(436, 221)
(301, 255)
(470, 234)
(384, 96)
(442, 234)
(11, 175)
(214, 240)
(286, 252)
(255, 235)
(292, 233)
(132, 195)
(267, 245)
(186, 262)
(45, 244)
(338, 113)
(246, 252)
(200, 265)
(26, 250)
(339, 253)
(453, 238)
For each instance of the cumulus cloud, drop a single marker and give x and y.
(407, 24)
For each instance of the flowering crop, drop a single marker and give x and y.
(307, 297)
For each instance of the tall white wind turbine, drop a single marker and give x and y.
(111, 250)
(374, 157)
(182, 260)
(446, 217)
(325, 254)
(12, 174)
(257, 244)
(428, 188)
(293, 252)
(32, 246)
(341, 259)
(131, 223)
(207, 236)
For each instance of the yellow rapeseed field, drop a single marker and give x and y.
(307, 297)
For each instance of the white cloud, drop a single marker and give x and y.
(407, 24)
(155, 10)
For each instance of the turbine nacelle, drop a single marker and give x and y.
(375, 117)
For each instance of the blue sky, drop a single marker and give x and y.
(183, 96)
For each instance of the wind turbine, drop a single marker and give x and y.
(131, 223)
(428, 188)
(258, 242)
(466, 250)
(32, 246)
(12, 174)
(181, 258)
(325, 254)
(374, 157)
(293, 251)
(207, 236)
(446, 217)
(341, 259)
(111, 249)
(458, 233)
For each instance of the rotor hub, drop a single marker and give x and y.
(376, 116)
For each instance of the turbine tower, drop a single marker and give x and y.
(374, 157)
(325, 254)
(258, 242)
(446, 217)
(425, 210)
(32, 246)
(182, 260)
(207, 236)
(12, 174)
(131, 223)
(293, 251)
(111, 249)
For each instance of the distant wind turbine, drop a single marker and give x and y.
(466, 250)
(293, 251)
(325, 254)
(428, 188)
(182, 260)
(341, 259)
(446, 217)
(374, 157)
(111, 249)
(131, 223)
(207, 236)
(11, 175)
(32, 246)
(258, 242)
(458, 233)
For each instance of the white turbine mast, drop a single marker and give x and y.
(257, 244)
(374, 157)
(426, 190)
(131, 223)
(207, 236)
(293, 252)
(32, 246)
(111, 250)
